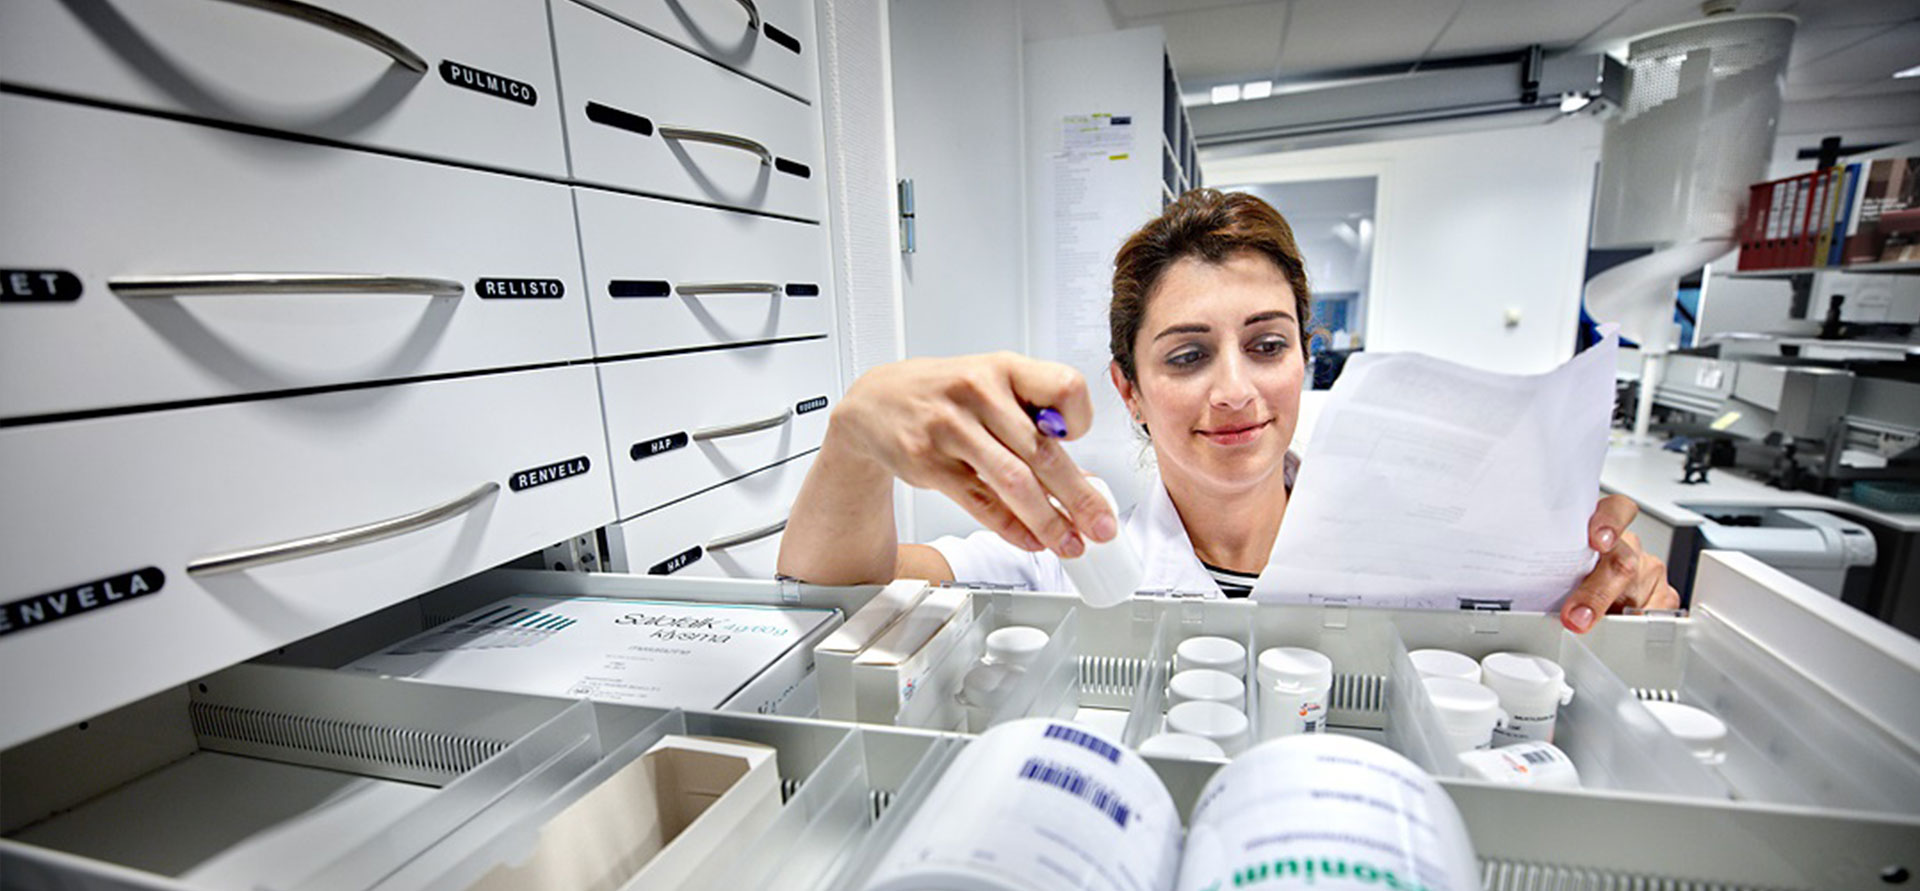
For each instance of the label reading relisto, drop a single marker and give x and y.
(676, 562)
(45, 609)
(519, 288)
(540, 476)
(653, 447)
(38, 286)
(487, 82)
(815, 404)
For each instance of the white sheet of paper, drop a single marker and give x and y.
(1428, 483)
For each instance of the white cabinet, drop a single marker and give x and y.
(653, 118)
(484, 92)
(779, 53)
(730, 531)
(140, 211)
(114, 589)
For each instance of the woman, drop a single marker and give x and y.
(1209, 302)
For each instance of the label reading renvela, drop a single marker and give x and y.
(66, 603)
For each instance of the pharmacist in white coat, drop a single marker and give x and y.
(1209, 303)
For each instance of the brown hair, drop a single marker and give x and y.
(1208, 224)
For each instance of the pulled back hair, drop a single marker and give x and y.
(1213, 226)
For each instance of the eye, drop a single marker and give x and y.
(1268, 346)
(1187, 357)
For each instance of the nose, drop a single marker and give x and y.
(1232, 388)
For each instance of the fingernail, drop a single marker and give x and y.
(1606, 538)
(1071, 546)
(1582, 617)
(1105, 527)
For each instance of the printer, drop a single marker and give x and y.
(1831, 553)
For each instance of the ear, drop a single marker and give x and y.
(1124, 387)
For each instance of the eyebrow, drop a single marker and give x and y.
(1255, 319)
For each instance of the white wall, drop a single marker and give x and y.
(1470, 226)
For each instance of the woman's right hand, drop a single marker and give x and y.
(961, 426)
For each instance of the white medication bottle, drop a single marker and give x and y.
(1206, 651)
(1325, 811)
(1531, 689)
(1704, 734)
(985, 686)
(1468, 711)
(1206, 685)
(1294, 685)
(1437, 663)
(1531, 763)
(1181, 745)
(1224, 725)
(1108, 572)
(1038, 803)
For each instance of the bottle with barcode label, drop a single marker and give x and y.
(1038, 803)
(1531, 763)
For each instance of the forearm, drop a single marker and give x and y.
(840, 531)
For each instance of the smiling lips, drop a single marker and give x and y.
(1234, 435)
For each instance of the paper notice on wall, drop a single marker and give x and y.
(1093, 210)
(1429, 484)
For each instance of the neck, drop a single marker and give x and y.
(1231, 529)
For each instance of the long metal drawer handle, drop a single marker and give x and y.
(695, 289)
(343, 26)
(725, 430)
(727, 139)
(739, 538)
(337, 540)
(753, 15)
(275, 283)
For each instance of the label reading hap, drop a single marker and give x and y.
(676, 562)
(487, 82)
(652, 447)
(45, 609)
(540, 476)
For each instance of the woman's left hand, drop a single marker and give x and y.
(1625, 576)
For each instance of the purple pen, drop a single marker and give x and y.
(1050, 423)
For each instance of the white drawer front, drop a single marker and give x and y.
(780, 53)
(90, 502)
(647, 260)
(675, 539)
(484, 61)
(627, 91)
(107, 196)
(678, 424)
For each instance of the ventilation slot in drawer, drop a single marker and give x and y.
(372, 748)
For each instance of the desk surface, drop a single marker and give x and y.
(1651, 477)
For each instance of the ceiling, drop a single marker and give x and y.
(1839, 78)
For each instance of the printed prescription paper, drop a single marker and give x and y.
(632, 652)
(1428, 483)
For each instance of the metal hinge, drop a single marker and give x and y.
(907, 235)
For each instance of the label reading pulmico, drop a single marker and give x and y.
(487, 82)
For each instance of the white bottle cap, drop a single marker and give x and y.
(1108, 572)
(1181, 745)
(1434, 663)
(1296, 667)
(986, 684)
(1698, 728)
(1016, 644)
(1217, 653)
(1225, 725)
(1526, 681)
(1206, 685)
(1467, 711)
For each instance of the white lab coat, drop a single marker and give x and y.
(1152, 528)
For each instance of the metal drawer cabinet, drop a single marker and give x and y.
(663, 276)
(148, 261)
(156, 547)
(730, 531)
(461, 80)
(771, 41)
(647, 116)
(679, 424)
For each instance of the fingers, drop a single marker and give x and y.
(1625, 577)
(1017, 486)
(1057, 476)
(1049, 385)
(1611, 517)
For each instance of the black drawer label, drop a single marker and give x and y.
(487, 82)
(45, 609)
(540, 476)
(38, 285)
(654, 447)
(815, 404)
(676, 562)
(520, 288)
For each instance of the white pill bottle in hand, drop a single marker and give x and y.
(1109, 572)
(1326, 811)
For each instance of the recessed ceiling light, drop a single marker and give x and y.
(1908, 72)
(1225, 93)
(1259, 89)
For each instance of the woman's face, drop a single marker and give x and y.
(1219, 364)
